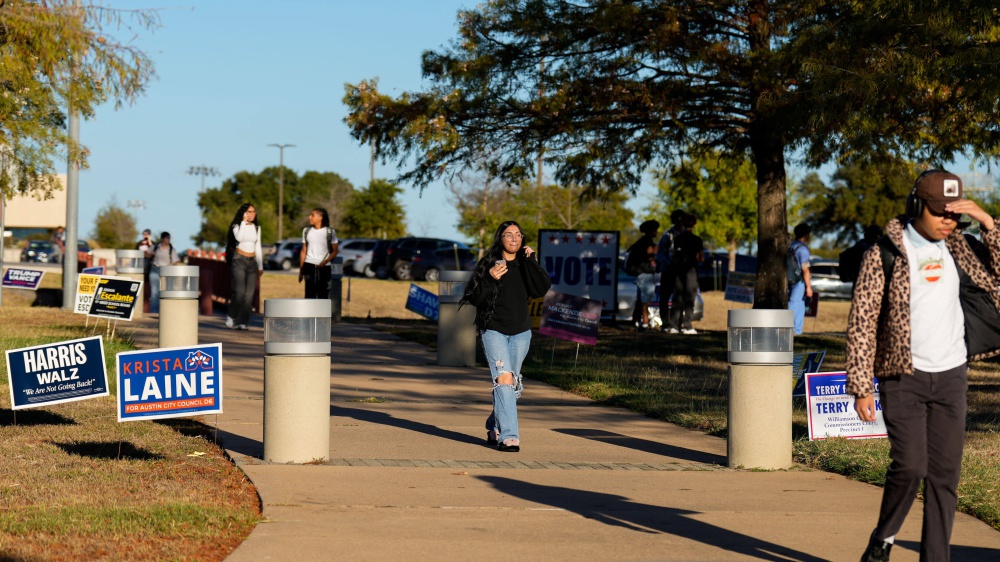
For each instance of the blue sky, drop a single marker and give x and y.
(234, 77)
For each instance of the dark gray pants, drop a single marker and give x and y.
(243, 283)
(925, 418)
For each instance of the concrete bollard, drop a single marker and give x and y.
(178, 305)
(297, 380)
(760, 388)
(456, 339)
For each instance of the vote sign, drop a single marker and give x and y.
(831, 409)
(583, 263)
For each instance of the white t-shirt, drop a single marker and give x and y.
(937, 323)
(248, 240)
(317, 246)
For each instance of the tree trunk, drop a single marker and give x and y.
(771, 288)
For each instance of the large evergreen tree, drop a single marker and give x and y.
(606, 88)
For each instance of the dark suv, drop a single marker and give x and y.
(400, 253)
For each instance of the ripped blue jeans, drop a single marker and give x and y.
(504, 354)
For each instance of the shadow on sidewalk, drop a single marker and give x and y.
(240, 444)
(644, 518)
(644, 445)
(382, 418)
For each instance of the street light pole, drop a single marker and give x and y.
(281, 186)
(202, 171)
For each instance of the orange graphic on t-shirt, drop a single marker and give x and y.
(931, 271)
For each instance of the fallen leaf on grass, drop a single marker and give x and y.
(197, 454)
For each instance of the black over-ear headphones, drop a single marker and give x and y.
(914, 204)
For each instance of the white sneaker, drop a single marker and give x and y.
(242, 327)
(689, 331)
(229, 322)
(673, 331)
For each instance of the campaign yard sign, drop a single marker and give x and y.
(831, 409)
(86, 285)
(115, 297)
(17, 278)
(569, 317)
(802, 363)
(740, 286)
(170, 382)
(423, 302)
(56, 372)
(96, 270)
(583, 263)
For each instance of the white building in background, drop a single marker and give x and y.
(28, 214)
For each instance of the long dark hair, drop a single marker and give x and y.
(231, 236)
(493, 253)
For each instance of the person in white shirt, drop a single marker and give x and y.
(246, 264)
(158, 256)
(319, 247)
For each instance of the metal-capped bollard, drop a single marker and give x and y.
(456, 339)
(132, 264)
(336, 286)
(760, 378)
(179, 305)
(296, 380)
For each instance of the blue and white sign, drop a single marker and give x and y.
(740, 287)
(423, 302)
(56, 372)
(583, 263)
(17, 278)
(802, 363)
(96, 270)
(170, 382)
(831, 409)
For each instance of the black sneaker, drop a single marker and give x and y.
(877, 551)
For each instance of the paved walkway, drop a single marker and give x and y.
(410, 476)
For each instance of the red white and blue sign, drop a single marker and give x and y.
(53, 373)
(831, 409)
(170, 382)
(17, 278)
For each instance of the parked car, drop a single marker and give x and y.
(374, 264)
(826, 280)
(428, 265)
(42, 251)
(628, 293)
(353, 249)
(400, 253)
(286, 256)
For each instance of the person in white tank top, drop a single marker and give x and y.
(246, 264)
(319, 247)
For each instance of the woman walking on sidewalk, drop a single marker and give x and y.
(503, 281)
(246, 264)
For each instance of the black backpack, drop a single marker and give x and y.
(792, 268)
(850, 261)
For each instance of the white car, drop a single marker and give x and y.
(353, 250)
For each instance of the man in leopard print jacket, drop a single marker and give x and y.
(916, 332)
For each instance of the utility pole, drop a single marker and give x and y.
(281, 186)
(70, 255)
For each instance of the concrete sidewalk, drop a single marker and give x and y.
(410, 475)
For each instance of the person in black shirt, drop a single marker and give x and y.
(503, 281)
(688, 252)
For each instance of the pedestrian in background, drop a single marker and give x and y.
(641, 262)
(503, 281)
(688, 252)
(319, 247)
(800, 290)
(246, 264)
(163, 253)
(926, 304)
(663, 250)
